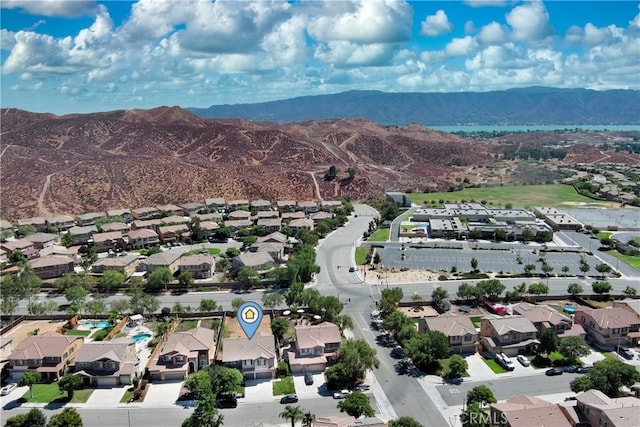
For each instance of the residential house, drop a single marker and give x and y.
(330, 205)
(114, 226)
(290, 216)
(173, 233)
(149, 224)
(267, 215)
(234, 205)
(89, 218)
(275, 237)
(260, 205)
(607, 327)
(286, 205)
(276, 250)
(209, 228)
(314, 347)
(126, 264)
(527, 411)
(145, 213)
(4, 256)
(104, 242)
(256, 260)
(217, 203)
(200, 266)
(192, 208)
(175, 219)
(47, 353)
(60, 222)
(71, 252)
(255, 357)
(143, 238)
(239, 224)
(82, 235)
(544, 317)
(183, 353)
(5, 225)
(165, 259)
(320, 216)
(301, 224)
(169, 209)
(270, 224)
(601, 410)
(52, 266)
(460, 331)
(107, 363)
(213, 216)
(308, 207)
(507, 334)
(25, 246)
(120, 213)
(39, 223)
(238, 215)
(42, 240)
(632, 306)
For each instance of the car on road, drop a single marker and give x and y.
(289, 398)
(8, 389)
(308, 378)
(227, 401)
(553, 371)
(352, 269)
(570, 369)
(342, 394)
(583, 369)
(362, 387)
(523, 360)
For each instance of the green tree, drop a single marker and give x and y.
(224, 380)
(354, 358)
(548, 341)
(307, 419)
(603, 268)
(547, 269)
(149, 304)
(236, 303)
(66, 239)
(425, 349)
(491, 289)
(440, 299)
(208, 305)
(608, 376)
(529, 268)
(538, 289)
(584, 266)
(76, 295)
(601, 288)
(404, 422)
(574, 288)
(279, 327)
(481, 395)
(185, 280)
(573, 347)
(232, 252)
(356, 404)
(34, 418)
(629, 291)
(527, 235)
(69, 383)
(205, 413)
(475, 416)
(457, 366)
(159, 279)
(248, 277)
(28, 379)
(474, 264)
(17, 256)
(110, 280)
(199, 384)
(388, 211)
(395, 321)
(272, 300)
(95, 306)
(292, 413)
(120, 306)
(565, 269)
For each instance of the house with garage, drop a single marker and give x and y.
(260, 205)
(287, 217)
(459, 329)
(166, 259)
(544, 317)
(200, 266)
(169, 210)
(126, 264)
(52, 266)
(47, 354)
(143, 238)
(146, 224)
(147, 212)
(82, 235)
(238, 224)
(42, 240)
(314, 347)
(255, 358)
(107, 363)
(37, 222)
(89, 218)
(218, 204)
(511, 335)
(259, 261)
(607, 327)
(120, 213)
(270, 224)
(182, 354)
(173, 233)
(111, 241)
(286, 205)
(192, 208)
(238, 204)
(308, 207)
(27, 247)
(239, 215)
(61, 222)
(110, 227)
(301, 224)
(330, 205)
(276, 250)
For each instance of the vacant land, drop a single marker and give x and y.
(27, 328)
(233, 329)
(555, 195)
(380, 235)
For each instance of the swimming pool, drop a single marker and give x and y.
(101, 324)
(140, 337)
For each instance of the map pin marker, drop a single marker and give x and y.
(249, 316)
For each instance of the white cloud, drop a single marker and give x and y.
(530, 22)
(343, 53)
(461, 46)
(437, 24)
(64, 8)
(363, 21)
(492, 33)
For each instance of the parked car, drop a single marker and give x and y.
(341, 394)
(227, 402)
(523, 360)
(627, 353)
(352, 269)
(362, 387)
(8, 389)
(308, 378)
(553, 371)
(504, 361)
(583, 369)
(289, 398)
(570, 369)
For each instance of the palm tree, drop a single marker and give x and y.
(308, 419)
(292, 413)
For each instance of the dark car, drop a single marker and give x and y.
(583, 369)
(553, 371)
(627, 353)
(308, 378)
(352, 269)
(289, 398)
(227, 402)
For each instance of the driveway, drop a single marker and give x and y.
(10, 399)
(162, 394)
(106, 397)
(259, 391)
(317, 389)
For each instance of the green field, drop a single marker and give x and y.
(380, 235)
(361, 255)
(210, 251)
(554, 195)
(633, 261)
(284, 386)
(45, 393)
(494, 366)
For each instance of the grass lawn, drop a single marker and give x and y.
(45, 393)
(77, 332)
(475, 320)
(284, 386)
(240, 391)
(380, 235)
(444, 365)
(185, 325)
(126, 397)
(81, 396)
(210, 251)
(361, 255)
(637, 239)
(554, 195)
(603, 235)
(609, 355)
(494, 366)
(633, 261)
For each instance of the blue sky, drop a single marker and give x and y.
(65, 56)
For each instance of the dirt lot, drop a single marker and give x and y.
(233, 329)
(24, 329)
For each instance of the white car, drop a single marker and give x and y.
(523, 360)
(341, 394)
(8, 389)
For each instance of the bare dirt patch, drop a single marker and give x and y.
(399, 277)
(233, 329)
(27, 328)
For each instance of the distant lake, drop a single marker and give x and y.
(531, 128)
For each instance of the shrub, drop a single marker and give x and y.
(283, 369)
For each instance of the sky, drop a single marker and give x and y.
(80, 56)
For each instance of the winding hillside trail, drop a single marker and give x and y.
(4, 149)
(42, 209)
(315, 184)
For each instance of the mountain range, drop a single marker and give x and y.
(524, 106)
